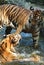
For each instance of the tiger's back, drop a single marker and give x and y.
(14, 14)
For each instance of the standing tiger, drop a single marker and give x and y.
(17, 17)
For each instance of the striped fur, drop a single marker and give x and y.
(18, 17)
(7, 48)
(36, 23)
(12, 14)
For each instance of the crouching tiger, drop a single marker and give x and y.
(7, 48)
(17, 17)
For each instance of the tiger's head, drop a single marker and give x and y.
(36, 17)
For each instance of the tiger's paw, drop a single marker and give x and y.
(36, 46)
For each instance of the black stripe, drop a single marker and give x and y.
(37, 31)
(3, 57)
(20, 11)
(16, 16)
(19, 14)
(7, 7)
(35, 35)
(2, 47)
(14, 9)
(34, 40)
(5, 45)
(13, 13)
(1, 51)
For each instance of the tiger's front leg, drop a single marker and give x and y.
(35, 35)
(18, 30)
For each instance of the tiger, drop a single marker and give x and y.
(21, 19)
(6, 47)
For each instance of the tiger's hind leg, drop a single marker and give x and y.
(7, 31)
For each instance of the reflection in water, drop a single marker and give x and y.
(24, 51)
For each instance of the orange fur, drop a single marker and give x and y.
(6, 51)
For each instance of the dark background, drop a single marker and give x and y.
(39, 2)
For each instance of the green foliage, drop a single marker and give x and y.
(22, 2)
(18, 2)
(3, 2)
(41, 2)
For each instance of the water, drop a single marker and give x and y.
(25, 52)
